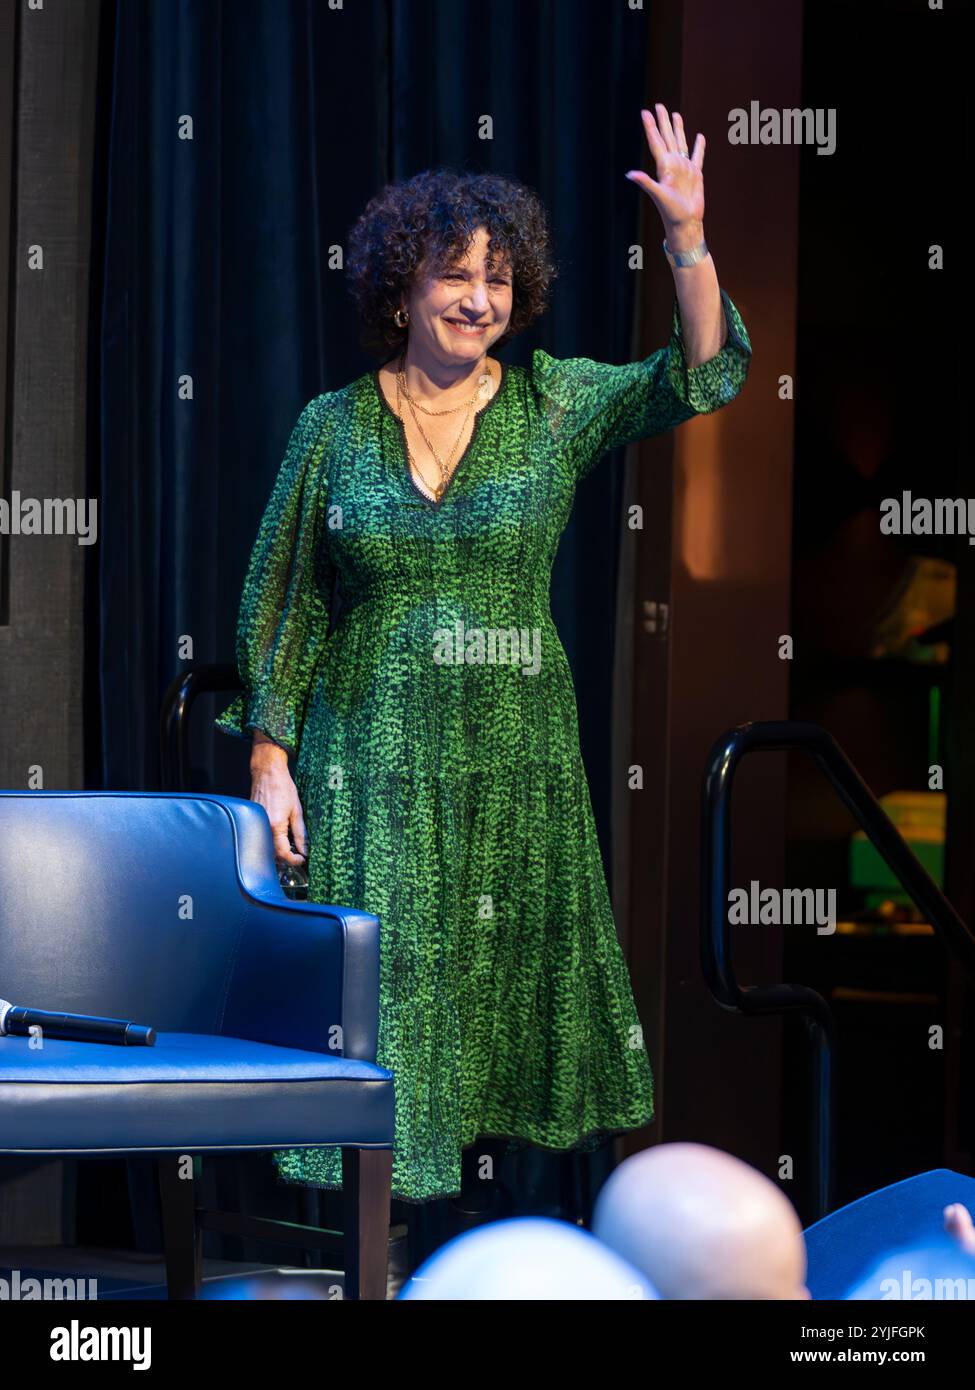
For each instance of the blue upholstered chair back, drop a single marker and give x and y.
(167, 910)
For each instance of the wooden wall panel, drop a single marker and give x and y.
(717, 500)
(48, 74)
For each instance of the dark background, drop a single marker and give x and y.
(882, 406)
(211, 257)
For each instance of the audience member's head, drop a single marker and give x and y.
(701, 1224)
(526, 1258)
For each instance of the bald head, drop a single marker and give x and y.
(702, 1225)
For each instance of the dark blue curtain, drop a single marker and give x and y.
(239, 142)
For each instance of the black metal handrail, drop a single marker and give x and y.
(174, 744)
(716, 957)
(174, 722)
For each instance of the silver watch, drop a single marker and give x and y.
(691, 257)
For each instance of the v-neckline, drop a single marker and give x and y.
(479, 416)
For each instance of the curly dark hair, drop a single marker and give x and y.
(431, 219)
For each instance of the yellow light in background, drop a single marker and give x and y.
(702, 481)
(723, 536)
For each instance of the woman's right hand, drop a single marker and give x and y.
(273, 788)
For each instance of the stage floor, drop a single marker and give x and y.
(125, 1274)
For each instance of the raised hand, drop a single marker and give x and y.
(678, 189)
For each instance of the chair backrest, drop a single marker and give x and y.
(128, 904)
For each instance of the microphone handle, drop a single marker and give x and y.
(78, 1027)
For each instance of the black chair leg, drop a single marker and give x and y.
(182, 1238)
(367, 1176)
(310, 1207)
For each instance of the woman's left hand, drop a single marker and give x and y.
(678, 189)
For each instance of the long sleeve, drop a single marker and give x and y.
(283, 619)
(592, 407)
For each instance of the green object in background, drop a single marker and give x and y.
(934, 725)
(920, 818)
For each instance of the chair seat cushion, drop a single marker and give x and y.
(189, 1092)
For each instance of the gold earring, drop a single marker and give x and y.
(401, 318)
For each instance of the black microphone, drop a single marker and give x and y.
(14, 1018)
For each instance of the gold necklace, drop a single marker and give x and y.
(401, 382)
(445, 472)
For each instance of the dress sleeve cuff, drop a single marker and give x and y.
(714, 383)
(270, 715)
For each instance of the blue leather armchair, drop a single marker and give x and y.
(166, 910)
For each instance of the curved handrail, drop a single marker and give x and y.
(174, 751)
(716, 955)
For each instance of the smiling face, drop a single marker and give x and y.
(457, 314)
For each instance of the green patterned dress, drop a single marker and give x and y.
(437, 749)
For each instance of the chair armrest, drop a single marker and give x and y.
(305, 975)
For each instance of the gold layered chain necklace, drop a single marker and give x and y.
(442, 464)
